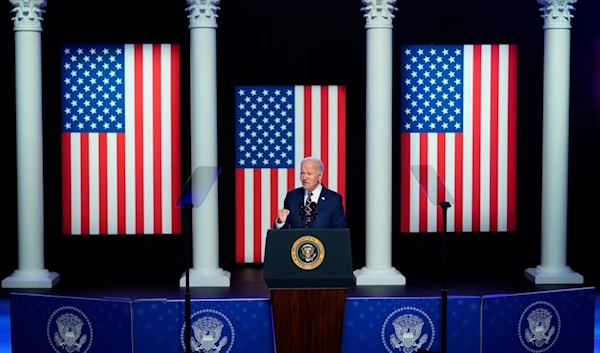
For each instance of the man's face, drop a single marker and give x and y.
(310, 175)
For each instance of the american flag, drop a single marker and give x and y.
(276, 127)
(120, 139)
(459, 123)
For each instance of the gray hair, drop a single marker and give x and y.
(314, 159)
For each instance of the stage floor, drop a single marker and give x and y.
(248, 284)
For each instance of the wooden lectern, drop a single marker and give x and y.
(308, 272)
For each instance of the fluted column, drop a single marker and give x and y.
(378, 269)
(555, 168)
(30, 175)
(203, 114)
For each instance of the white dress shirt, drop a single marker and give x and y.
(315, 194)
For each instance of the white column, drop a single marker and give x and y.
(203, 114)
(378, 269)
(30, 174)
(555, 167)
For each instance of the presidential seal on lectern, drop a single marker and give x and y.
(308, 252)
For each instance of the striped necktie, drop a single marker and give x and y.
(307, 208)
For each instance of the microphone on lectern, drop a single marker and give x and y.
(302, 213)
(313, 210)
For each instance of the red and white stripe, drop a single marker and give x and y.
(320, 131)
(478, 167)
(128, 183)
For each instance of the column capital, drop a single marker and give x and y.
(28, 14)
(379, 13)
(203, 13)
(557, 13)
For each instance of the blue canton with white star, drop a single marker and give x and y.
(264, 127)
(432, 89)
(93, 88)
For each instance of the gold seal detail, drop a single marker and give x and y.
(308, 252)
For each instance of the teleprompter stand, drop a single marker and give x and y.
(192, 196)
(308, 297)
(438, 194)
(444, 335)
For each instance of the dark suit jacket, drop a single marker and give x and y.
(330, 210)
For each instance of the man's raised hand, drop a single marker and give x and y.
(282, 214)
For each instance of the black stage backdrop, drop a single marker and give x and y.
(318, 42)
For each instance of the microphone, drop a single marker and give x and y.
(313, 211)
(302, 213)
(301, 210)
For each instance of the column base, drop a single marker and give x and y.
(207, 278)
(31, 279)
(369, 277)
(560, 275)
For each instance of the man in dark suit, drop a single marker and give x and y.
(330, 210)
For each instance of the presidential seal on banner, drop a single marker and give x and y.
(68, 330)
(212, 331)
(407, 330)
(539, 326)
(308, 252)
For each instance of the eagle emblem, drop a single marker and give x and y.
(539, 326)
(308, 253)
(69, 333)
(72, 330)
(207, 335)
(407, 335)
(407, 330)
(212, 333)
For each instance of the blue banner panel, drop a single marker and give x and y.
(49, 324)
(403, 325)
(552, 321)
(225, 326)
(464, 324)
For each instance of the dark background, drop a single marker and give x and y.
(319, 42)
